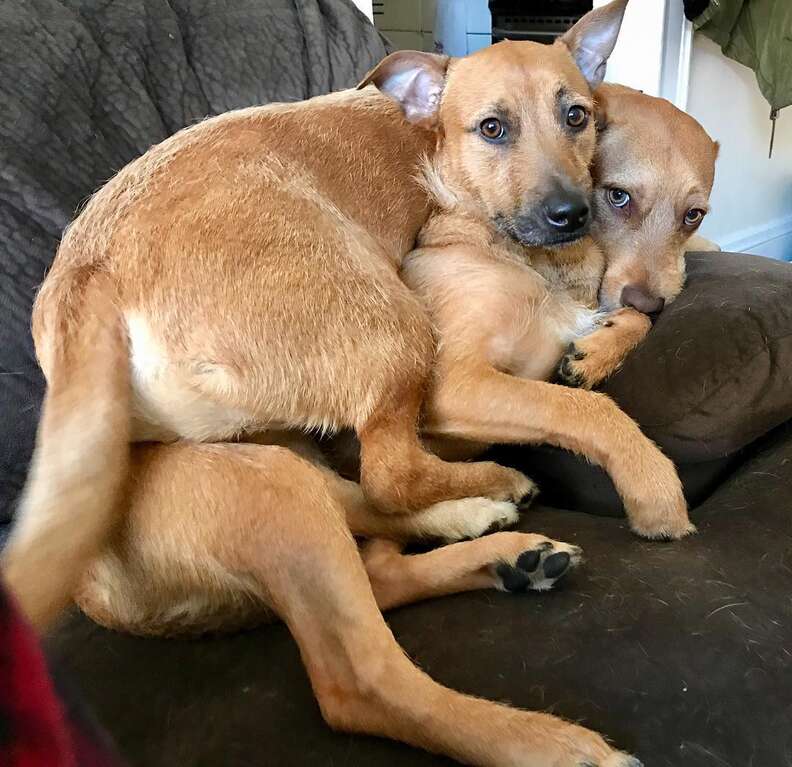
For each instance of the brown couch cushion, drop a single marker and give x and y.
(715, 373)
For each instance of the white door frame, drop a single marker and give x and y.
(653, 52)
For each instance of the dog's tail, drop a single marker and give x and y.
(68, 508)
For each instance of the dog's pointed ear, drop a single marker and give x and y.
(592, 39)
(415, 80)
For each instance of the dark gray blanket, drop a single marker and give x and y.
(88, 85)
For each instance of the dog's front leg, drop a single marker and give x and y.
(482, 404)
(594, 357)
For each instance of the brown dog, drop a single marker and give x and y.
(505, 312)
(196, 514)
(573, 281)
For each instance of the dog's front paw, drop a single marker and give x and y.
(538, 567)
(592, 358)
(658, 511)
(670, 527)
(587, 362)
(571, 370)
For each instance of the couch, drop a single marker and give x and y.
(680, 652)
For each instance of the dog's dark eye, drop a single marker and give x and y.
(577, 117)
(694, 216)
(618, 197)
(492, 129)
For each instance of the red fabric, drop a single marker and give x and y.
(36, 729)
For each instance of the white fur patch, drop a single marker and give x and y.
(465, 518)
(171, 401)
(574, 321)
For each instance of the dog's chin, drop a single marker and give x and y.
(540, 236)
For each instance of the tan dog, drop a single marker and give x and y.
(653, 174)
(505, 313)
(240, 277)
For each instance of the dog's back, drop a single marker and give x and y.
(132, 327)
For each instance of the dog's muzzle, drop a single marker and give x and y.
(563, 216)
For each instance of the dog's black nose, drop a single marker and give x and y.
(641, 299)
(566, 211)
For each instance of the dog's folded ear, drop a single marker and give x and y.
(592, 39)
(415, 80)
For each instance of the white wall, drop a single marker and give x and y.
(752, 198)
(365, 6)
(637, 59)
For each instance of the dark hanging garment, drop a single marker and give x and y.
(757, 33)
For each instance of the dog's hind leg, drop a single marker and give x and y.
(239, 527)
(508, 561)
(446, 521)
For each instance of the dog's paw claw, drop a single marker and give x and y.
(615, 760)
(666, 533)
(502, 523)
(621, 760)
(539, 568)
(528, 498)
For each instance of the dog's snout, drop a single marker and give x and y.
(566, 211)
(641, 299)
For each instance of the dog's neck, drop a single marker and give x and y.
(576, 268)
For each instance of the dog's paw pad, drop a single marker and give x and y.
(567, 372)
(556, 565)
(512, 578)
(528, 561)
(539, 568)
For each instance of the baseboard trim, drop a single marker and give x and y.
(758, 238)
